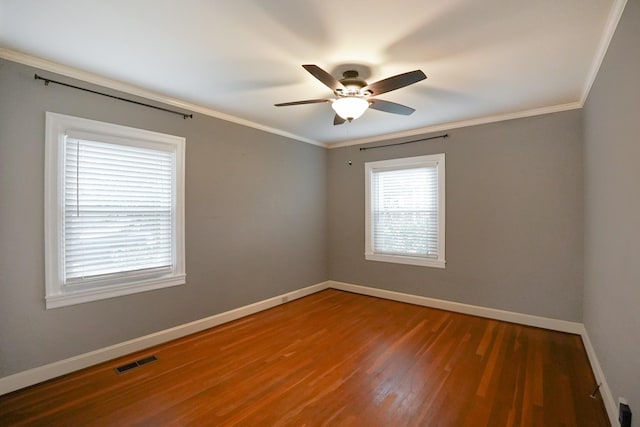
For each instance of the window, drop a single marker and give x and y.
(405, 211)
(114, 210)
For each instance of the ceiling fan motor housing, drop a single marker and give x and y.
(352, 84)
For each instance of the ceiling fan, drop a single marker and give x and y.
(354, 95)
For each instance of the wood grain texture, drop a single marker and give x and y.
(333, 359)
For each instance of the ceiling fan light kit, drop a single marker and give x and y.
(353, 96)
(350, 107)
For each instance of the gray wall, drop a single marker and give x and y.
(255, 223)
(514, 218)
(612, 219)
(259, 208)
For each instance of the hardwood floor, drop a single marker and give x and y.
(333, 359)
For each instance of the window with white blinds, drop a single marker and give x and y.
(114, 211)
(117, 209)
(405, 210)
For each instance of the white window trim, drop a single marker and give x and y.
(59, 125)
(419, 161)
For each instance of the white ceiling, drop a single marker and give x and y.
(483, 58)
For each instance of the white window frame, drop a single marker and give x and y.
(57, 127)
(437, 160)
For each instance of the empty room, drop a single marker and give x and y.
(297, 213)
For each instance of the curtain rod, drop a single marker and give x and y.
(47, 81)
(446, 135)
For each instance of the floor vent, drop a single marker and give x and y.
(132, 365)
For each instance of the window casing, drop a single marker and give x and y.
(114, 210)
(405, 210)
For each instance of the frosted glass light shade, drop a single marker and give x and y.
(350, 108)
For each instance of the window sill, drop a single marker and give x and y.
(398, 259)
(95, 294)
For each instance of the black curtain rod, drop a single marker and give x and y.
(47, 81)
(446, 135)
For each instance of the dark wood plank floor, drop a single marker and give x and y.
(333, 359)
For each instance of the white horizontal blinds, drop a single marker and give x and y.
(405, 211)
(117, 209)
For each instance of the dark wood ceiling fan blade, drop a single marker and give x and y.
(390, 107)
(308, 101)
(337, 120)
(326, 78)
(394, 82)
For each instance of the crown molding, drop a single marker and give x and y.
(610, 28)
(612, 22)
(75, 73)
(613, 19)
(460, 124)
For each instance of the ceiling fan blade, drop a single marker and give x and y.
(337, 120)
(394, 82)
(326, 78)
(390, 107)
(308, 101)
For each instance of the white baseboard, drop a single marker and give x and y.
(62, 367)
(475, 310)
(605, 391)
(507, 316)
